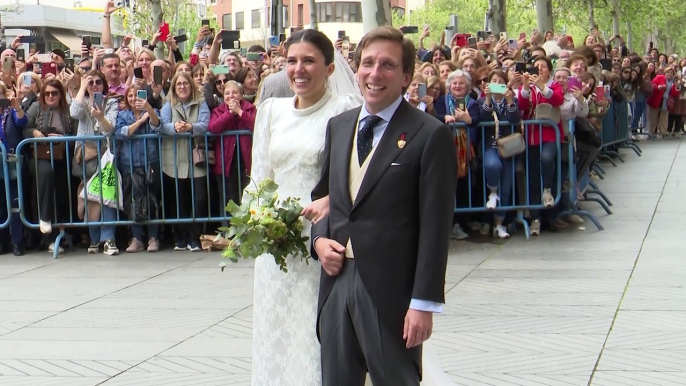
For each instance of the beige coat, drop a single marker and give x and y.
(183, 160)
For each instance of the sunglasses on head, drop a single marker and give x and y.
(96, 82)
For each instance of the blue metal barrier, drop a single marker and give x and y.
(170, 181)
(4, 169)
(521, 172)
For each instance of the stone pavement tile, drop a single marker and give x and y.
(51, 306)
(62, 368)
(518, 362)
(104, 334)
(638, 378)
(504, 263)
(643, 360)
(176, 379)
(658, 277)
(50, 381)
(515, 379)
(10, 269)
(449, 342)
(647, 340)
(15, 288)
(102, 269)
(135, 303)
(230, 328)
(668, 321)
(80, 350)
(526, 310)
(525, 324)
(654, 293)
(612, 274)
(204, 365)
(221, 290)
(201, 346)
(547, 285)
(456, 297)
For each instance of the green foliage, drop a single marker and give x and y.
(178, 13)
(265, 224)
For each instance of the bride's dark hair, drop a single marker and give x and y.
(315, 38)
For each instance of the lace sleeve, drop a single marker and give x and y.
(261, 165)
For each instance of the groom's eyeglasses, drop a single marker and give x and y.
(385, 66)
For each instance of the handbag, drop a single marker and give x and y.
(510, 146)
(200, 155)
(88, 153)
(42, 151)
(546, 111)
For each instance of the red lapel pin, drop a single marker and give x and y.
(401, 141)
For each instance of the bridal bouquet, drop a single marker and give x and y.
(265, 224)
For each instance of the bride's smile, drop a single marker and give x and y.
(307, 71)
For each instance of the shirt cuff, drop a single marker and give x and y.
(547, 92)
(426, 305)
(525, 93)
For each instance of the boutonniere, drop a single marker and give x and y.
(401, 141)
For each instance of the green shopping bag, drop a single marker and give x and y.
(106, 185)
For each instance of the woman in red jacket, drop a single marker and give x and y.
(541, 140)
(659, 104)
(234, 114)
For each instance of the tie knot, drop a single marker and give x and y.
(369, 124)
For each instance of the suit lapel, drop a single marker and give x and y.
(388, 149)
(341, 149)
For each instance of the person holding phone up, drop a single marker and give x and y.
(423, 102)
(97, 115)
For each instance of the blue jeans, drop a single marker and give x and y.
(137, 230)
(15, 228)
(499, 174)
(105, 232)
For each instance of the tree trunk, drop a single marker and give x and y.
(157, 17)
(629, 37)
(497, 17)
(615, 17)
(375, 13)
(544, 15)
(591, 14)
(313, 15)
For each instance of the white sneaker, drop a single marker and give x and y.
(458, 233)
(548, 199)
(51, 249)
(485, 229)
(45, 227)
(492, 201)
(500, 232)
(535, 228)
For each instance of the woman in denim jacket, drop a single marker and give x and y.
(499, 170)
(139, 118)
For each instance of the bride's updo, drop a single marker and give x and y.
(315, 38)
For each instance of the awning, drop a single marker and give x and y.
(67, 38)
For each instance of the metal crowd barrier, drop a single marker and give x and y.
(522, 176)
(4, 168)
(64, 214)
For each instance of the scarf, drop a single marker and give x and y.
(450, 102)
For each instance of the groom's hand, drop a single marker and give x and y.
(418, 326)
(331, 255)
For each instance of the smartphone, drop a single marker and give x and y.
(98, 99)
(520, 67)
(460, 40)
(5, 102)
(273, 40)
(138, 73)
(48, 68)
(142, 94)
(220, 69)
(86, 41)
(449, 32)
(494, 57)
(181, 38)
(26, 80)
(497, 88)
(532, 70)
(254, 56)
(600, 92)
(351, 55)
(460, 103)
(282, 38)
(573, 82)
(27, 39)
(522, 36)
(69, 64)
(512, 44)
(346, 45)
(43, 58)
(503, 35)
(21, 55)
(607, 90)
(157, 74)
(164, 31)
(421, 90)
(606, 64)
(471, 41)
(145, 43)
(7, 64)
(534, 31)
(410, 29)
(205, 23)
(481, 36)
(109, 51)
(341, 34)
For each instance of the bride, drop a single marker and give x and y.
(288, 144)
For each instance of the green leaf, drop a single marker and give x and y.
(233, 208)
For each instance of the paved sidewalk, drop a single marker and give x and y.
(577, 308)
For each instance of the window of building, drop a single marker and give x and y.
(301, 18)
(399, 10)
(226, 22)
(286, 17)
(240, 20)
(340, 12)
(256, 19)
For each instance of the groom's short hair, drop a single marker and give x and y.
(391, 34)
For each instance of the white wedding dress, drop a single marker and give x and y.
(288, 147)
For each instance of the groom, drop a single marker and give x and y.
(390, 172)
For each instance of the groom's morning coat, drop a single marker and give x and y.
(399, 224)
